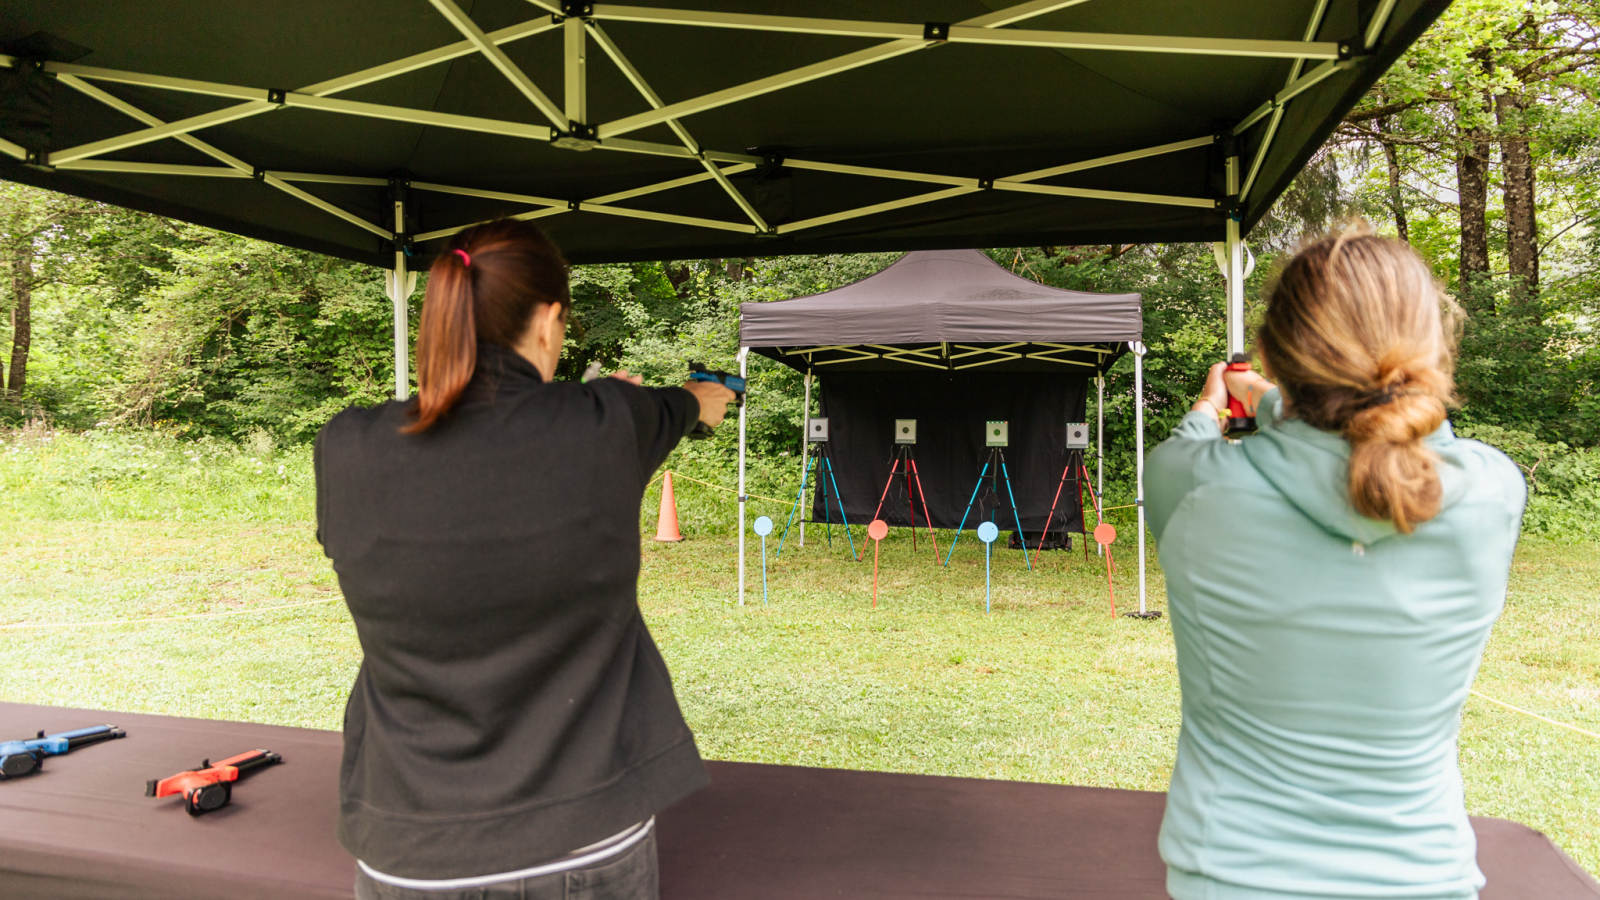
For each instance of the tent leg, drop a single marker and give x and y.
(744, 355)
(1100, 450)
(1234, 251)
(805, 449)
(1138, 480)
(400, 284)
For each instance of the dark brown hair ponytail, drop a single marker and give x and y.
(485, 287)
(1356, 334)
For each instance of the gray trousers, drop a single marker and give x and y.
(630, 875)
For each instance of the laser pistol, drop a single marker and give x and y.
(1238, 421)
(19, 758)
(209, 787)
(699, 372)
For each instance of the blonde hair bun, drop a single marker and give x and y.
(1356, 334)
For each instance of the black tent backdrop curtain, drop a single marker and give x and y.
(951, 410)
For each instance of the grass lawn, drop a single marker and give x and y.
(1047, 687)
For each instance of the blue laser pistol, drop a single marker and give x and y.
(699, 372)
(19, 758)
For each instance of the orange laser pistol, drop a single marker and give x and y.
(210, 786)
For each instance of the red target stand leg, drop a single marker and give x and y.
(1105, 534)
(878, 530)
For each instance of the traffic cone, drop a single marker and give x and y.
(667, 520)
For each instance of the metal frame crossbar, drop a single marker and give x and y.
(569, 124)
(939, 356)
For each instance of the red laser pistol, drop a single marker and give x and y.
(209, 787)
(1239, 421)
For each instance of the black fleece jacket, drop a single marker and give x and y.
(511, 706)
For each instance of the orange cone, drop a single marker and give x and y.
(667, 520)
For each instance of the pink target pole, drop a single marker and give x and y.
(1105, 534)
(878, 530)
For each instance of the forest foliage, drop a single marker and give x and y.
(1480, 148)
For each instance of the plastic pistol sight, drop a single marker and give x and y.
(699, 372)
(19, 758)
(210, 786)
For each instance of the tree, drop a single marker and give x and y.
(38, 232)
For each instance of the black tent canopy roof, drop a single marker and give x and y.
(950, 309)
(694, 129)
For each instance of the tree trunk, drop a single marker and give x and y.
(1472, 185)
(1397, 200)
(1522, 227)
(21, 313)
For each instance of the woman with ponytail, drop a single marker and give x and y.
(512, 730)
(1332, 580)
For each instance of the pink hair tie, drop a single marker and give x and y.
(465, 259)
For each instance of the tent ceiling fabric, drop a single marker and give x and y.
(704, 128)
(944, 309)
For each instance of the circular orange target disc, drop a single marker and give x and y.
(1105, 533)
(878, 530)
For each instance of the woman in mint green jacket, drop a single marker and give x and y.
(1332, 581)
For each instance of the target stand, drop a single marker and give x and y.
(994, 473)
(1078, 471)
(903, 464)
(822, 462)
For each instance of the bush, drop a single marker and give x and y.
(1563, 481)
(143, 473)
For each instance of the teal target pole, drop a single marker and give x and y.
(987, 532)
(763, 528)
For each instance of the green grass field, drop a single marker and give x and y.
(1047, 687)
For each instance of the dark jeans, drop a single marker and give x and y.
(630, 875)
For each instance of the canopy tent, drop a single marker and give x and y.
(925, 318)
(376, 129)
(952, 310)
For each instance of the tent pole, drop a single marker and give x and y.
(805, 450)
(1138, 431)
(744, 356)
(1100, 451)
(401, 282)
(1235, 263)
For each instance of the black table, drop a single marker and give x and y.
(82, 828)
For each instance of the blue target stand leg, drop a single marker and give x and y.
(763, 527)
(825, 478)
(799, 501)
(996, 463)
(987, 532)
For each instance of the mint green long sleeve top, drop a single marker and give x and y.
(1324, 659)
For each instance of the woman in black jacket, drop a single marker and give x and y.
(512, 730)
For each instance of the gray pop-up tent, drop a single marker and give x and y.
(930, 321)
(376, 129)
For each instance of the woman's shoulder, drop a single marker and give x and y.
(1484, 472)
(356, 421)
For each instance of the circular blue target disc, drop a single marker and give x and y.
(987, 532)
(763, 526)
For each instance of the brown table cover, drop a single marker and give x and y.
(82, 828)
